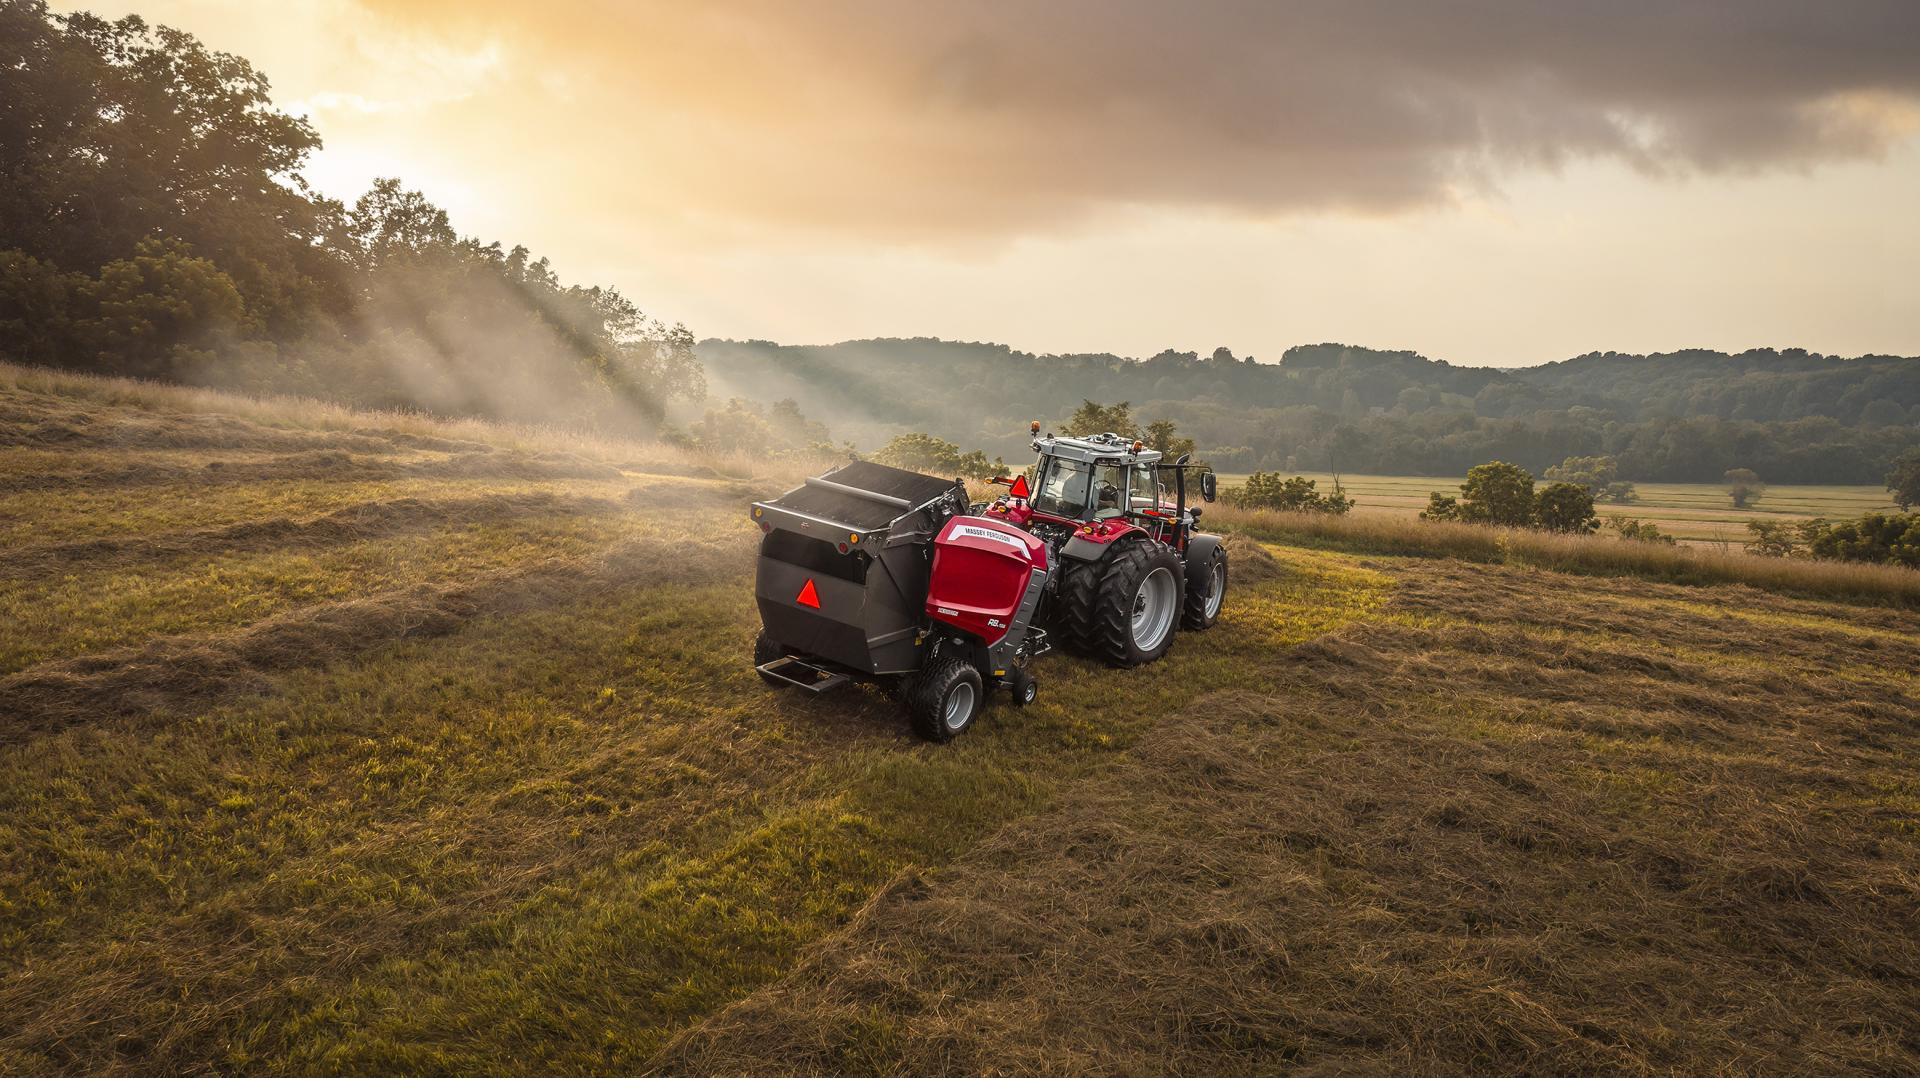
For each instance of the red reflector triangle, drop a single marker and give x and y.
(808, 596)
(1020, 489)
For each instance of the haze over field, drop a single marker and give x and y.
(1493, 183)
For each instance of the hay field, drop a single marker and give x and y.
(359, 743)
(1699, 514)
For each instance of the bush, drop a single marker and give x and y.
(1639, 531)
(1883, 538)
(937, 456)
(1441, 508)
(1293, 494)
(1566, 508)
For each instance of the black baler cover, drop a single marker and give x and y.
(864, 514)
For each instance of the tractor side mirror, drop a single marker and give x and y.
(1209, 486)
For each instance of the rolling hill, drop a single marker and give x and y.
(1794, 416)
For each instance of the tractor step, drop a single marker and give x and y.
(803, 675)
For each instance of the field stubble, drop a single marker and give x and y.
(495, 788)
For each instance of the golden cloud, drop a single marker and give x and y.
(944, 120)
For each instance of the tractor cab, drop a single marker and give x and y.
(1107, 477)
(1095, 478)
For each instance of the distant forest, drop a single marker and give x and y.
(1792, 416)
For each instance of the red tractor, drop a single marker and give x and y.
(879, 574)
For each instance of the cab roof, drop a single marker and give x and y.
(1095, 447)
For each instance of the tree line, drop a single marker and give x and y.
(1793, 416)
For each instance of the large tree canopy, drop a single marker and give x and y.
(157, 225)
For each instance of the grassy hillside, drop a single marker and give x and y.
(363, 742)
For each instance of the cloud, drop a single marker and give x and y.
(972, 120)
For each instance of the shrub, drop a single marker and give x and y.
(937, 456)
(1885, 538)
(1293, 494)
(1620, 492)
(1639, 531)
(1772, 538)
(1566, 508)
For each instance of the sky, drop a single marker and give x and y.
(1489, 183)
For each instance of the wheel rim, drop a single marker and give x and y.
(959, 705)
(1219, 592)
(1153, 610)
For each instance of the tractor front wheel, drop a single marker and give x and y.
(1124, 608)
(944, 699)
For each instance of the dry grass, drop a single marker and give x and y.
(345, 762)
(1484, 830)
(1585, 554)
(50, 407)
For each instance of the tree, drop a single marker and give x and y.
(1498, 493)
(1593, 473)
(1903, 480)
(1164, 436)
(1566, 508)
(1620, 492)
(159, 313)
(1745, 487)
(1093, 418)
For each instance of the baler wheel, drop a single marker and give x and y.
(1021, 687)
(764, 652)
(944, 699)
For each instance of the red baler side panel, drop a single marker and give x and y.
(981, 568)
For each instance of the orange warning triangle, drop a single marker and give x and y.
(1020, 489)
(808, 596)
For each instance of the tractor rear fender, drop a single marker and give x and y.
(1096, 544)
(1200, 550)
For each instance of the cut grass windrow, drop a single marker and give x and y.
(354, 523)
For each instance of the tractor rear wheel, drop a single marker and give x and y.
(1206, 591)
(944, 699)
(1124, 609)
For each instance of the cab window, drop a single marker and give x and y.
(1109, 491)
(1146, 487)
(1062, 490)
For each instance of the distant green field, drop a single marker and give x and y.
(1696, 512)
